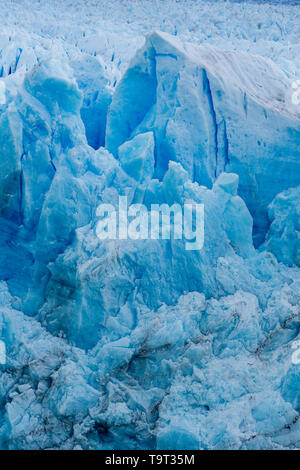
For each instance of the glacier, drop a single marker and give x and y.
(142, 344)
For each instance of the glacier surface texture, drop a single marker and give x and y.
(142, 344)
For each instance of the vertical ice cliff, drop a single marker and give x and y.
(212, 111)
(129, 344)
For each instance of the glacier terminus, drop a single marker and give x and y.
(185, 341)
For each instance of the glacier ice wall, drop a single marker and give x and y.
(229, 107)
(123, 344)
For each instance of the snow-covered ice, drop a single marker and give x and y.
(142, 344)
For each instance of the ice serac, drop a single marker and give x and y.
(107, 280)
(212, 111)
(50, 176)
(283, 237)
(137, 160)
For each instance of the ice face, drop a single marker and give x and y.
(211, 111)
(142, 344)
(283, 235)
